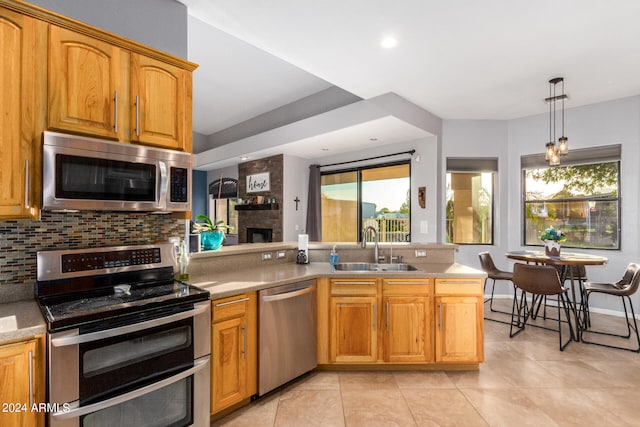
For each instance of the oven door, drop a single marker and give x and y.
(89, 370)
(180, 400)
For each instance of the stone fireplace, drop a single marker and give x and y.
(261, 216)
(259, 235)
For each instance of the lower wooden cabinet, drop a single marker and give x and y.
(400, 321)
(233, 350)
(22, 384)
(459, 321)
(353, 318)
(406, 320)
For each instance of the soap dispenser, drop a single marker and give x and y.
(333, 258)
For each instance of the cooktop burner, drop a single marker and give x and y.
(95, 290)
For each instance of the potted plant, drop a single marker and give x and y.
(211, 234)
(552, 238)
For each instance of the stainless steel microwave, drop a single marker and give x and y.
(81, 173)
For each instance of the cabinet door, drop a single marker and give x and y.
(229, 363)
(459, 329)
(18, 385)
(406, 329)
(354, 329)
(161, 103)
(17, 127)
(85, 81)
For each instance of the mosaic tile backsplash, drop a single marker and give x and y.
(20, 240)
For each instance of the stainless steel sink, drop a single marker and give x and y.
(366, 266)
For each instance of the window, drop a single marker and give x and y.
(469, 200)
(377, 196)
(581, 198)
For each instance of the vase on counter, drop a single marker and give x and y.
(211, 240)
(552, 248)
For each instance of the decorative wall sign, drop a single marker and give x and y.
(258, 182)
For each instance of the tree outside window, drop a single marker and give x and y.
(580, 200)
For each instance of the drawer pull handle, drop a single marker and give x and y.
(235, 301)
(355, 283)
(459, 283)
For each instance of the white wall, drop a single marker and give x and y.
(296, 185)
(614, 122)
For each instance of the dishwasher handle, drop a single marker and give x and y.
(287, 295)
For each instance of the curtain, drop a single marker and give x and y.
(314, 213)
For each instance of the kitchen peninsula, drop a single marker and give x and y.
(428, 319)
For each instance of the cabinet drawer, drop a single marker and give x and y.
(459, 286)
(227, 308)
(363, 287)
(410, 287)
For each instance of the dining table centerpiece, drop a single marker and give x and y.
(552, 238)
(211, 234)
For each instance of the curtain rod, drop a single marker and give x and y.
(411, 152)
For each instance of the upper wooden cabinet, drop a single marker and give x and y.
(161, 98)
(19, 125)
(86, 85)
(98, 88)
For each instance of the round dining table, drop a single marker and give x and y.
(565, 261)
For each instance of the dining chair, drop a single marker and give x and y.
(538, 281)
(566, 273)
(493, 273)
(623, 288)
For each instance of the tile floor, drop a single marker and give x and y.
(525, 381)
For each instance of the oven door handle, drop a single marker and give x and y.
(109, 333)
(75, 411)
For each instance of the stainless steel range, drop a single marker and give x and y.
(126, 344)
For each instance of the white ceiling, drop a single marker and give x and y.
(458, 59)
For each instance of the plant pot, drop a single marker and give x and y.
(552, 248)
(211, 240)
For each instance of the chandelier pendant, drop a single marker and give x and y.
(554, 150)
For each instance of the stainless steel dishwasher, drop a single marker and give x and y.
(287, 333)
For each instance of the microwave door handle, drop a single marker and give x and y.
(76, 412)
(162, 199)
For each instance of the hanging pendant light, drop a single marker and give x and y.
(553, 151)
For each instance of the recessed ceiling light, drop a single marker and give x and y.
(373, 139)
(388, 42)
(243, 158)
(324, 149)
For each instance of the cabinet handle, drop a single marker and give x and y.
(387, 316)
(235, 301)
(354, 283)
(30, 378)
(375, 315)
(244, 340)
(459, 283)
(399, 282)
(137, 116)
(115, 99)
(27, 184)
(440, 322)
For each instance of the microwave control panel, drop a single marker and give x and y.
(179, 179)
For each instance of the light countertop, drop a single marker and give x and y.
(20, 319)
(229, 283)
